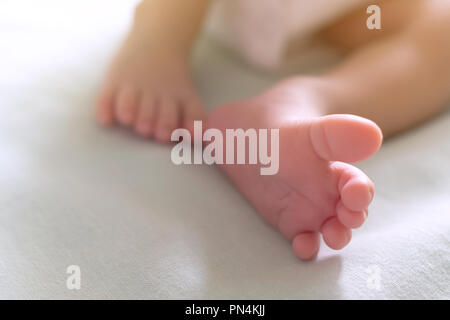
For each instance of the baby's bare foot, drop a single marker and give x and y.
(315, 191)
(149, 89)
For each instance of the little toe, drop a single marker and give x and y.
(145, 121)
(168, 119)
(105, 106)
(350, 219)
(345, 138)
(306, 245)
(126, 105)
(335, 235)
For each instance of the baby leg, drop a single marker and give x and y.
(399, 78)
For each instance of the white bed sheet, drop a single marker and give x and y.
(72, 193)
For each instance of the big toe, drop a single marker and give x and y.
(345, 138)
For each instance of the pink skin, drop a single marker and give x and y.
(315, 191)
(149, 91)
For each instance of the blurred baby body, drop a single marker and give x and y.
(261, 31)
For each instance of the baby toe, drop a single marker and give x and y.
(126, 105)
(145, 121)
(350, 219)
(168, 119)
(335, 235)
(348, 138)
(355, 188)
(357, 193)
(306, 245)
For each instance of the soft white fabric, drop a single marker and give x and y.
(72, 193)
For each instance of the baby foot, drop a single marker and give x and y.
(314, 191)
(149, 89)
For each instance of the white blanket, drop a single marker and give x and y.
(72, 193)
